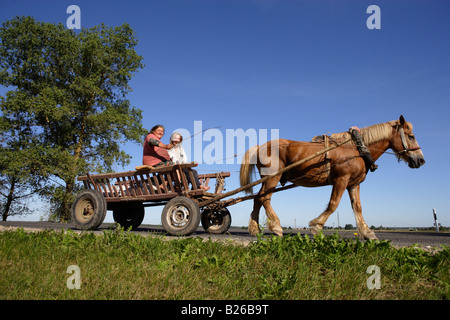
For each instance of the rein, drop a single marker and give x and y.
(405, 143)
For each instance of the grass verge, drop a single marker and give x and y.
(122, 265)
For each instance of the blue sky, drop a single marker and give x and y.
(301, 67)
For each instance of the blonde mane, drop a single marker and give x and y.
(371, 134)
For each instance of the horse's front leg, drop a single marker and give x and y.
(363, 230)
(336, 194)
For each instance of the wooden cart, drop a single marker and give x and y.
(127, 194)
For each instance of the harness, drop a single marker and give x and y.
(405, 143)
(363, 150)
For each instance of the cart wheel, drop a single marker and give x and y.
(88, 210)
(129, 216)
(180, 216)
(216, 222)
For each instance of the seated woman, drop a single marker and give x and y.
(155, 152)
(178, 156)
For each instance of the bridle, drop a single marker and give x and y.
(405, 143)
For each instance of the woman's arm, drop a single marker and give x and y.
(157, 143)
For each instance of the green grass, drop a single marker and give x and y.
(122, 265)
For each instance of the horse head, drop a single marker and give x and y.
(405, 144)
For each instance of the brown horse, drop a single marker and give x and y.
(343, 168)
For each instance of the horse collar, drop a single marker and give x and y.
(363, 150)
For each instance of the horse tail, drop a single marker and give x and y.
(247, 167)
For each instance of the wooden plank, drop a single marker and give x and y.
(213, 175)
(156, 197)
(102, 186)
(193, 183)
(115, 191)
(164, 182)
(156, 183)
(138, 185)
(184, 182)
(107, 182)
(144, 184)
(132, 173)
(170, 182)
(150, 183)
(130, 186)
(123, 187)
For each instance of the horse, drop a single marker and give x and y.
(343, 168)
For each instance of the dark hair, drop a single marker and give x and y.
(156, 127)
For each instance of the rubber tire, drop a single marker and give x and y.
(217, 224)
(186, 211)
(129, 216)
(88, 210)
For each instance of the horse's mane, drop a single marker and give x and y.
(371, 134)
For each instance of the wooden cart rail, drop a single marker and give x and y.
(150, 184)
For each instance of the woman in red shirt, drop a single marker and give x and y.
(155, 152)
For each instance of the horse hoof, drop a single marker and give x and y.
(315, 229)
(278, 231)
(370, 236)
(254, 232)
(253, 228)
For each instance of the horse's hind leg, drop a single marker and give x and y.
(253, 224)
(267, 191)
(263, 199)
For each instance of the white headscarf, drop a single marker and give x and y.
(177, 153)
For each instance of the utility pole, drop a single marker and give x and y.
(436, 223)
(338, 218)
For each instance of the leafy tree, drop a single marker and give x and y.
(69, 92)
(18, 182)
(22, 167)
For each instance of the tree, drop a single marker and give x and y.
(69, 91)
(18, 181)
(22, 166)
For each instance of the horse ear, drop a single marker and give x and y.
(402, 120)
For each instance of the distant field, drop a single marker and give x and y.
(122, 265)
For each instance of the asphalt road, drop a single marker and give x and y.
(398, 238)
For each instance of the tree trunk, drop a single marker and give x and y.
(67, 202)
(9, 200)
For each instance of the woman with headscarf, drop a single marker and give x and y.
(178, 156)
(155, 152)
